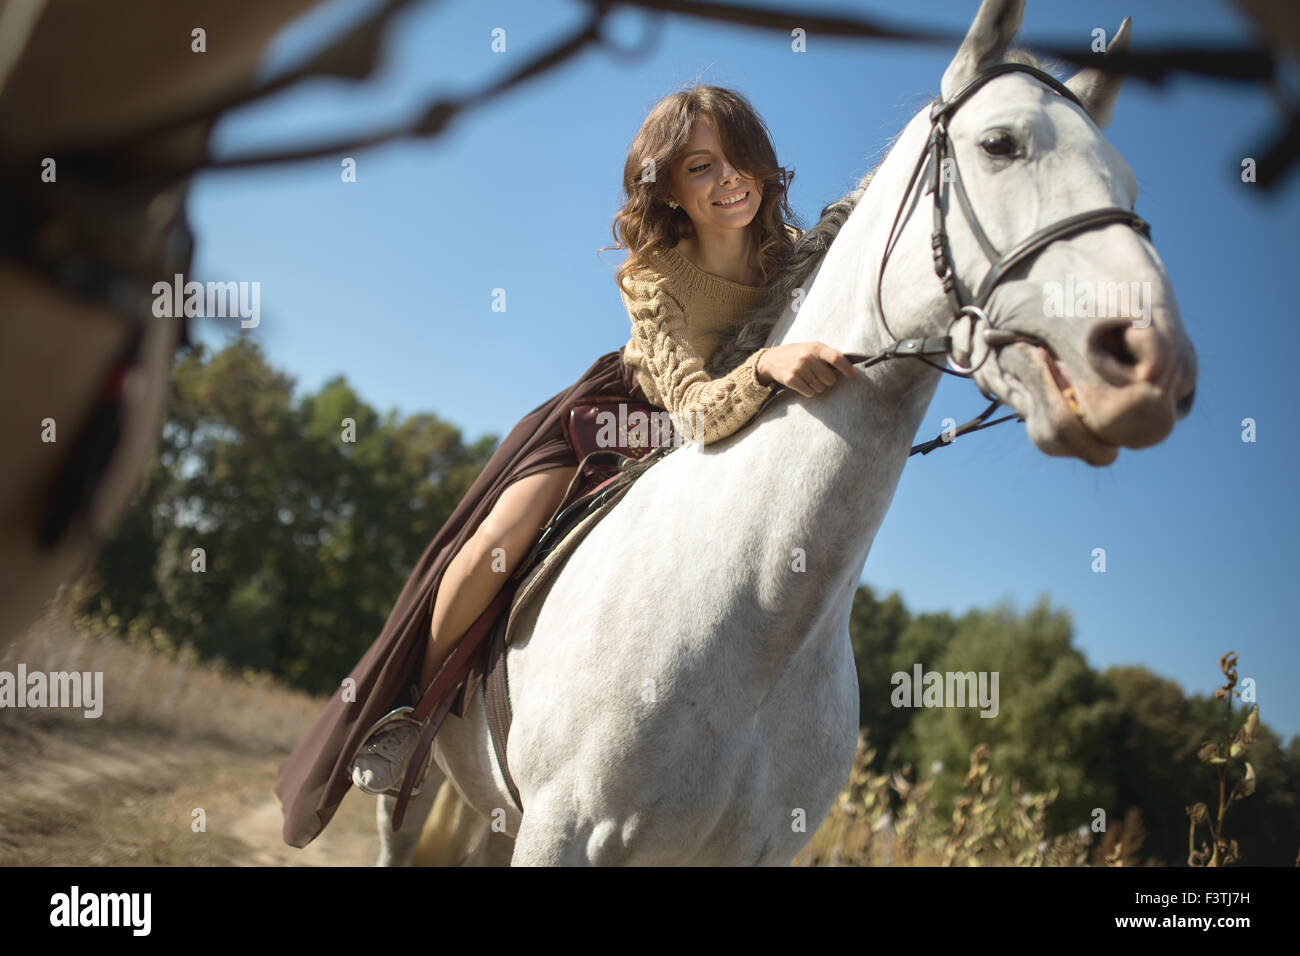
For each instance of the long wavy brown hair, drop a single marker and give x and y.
(647, 224)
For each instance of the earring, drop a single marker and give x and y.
(672, 204)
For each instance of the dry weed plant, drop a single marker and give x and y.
(1222, 851)
(865, 828)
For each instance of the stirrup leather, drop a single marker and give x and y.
(399, 715)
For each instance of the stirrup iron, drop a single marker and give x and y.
(399, 715)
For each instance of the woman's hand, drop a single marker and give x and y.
(807, 367)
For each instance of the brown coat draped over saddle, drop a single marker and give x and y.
(314, 779)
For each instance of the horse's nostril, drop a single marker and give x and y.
(1113, 342)
(1185, 403)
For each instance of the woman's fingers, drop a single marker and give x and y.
(814, 367)
(841, 362)
(822, 373)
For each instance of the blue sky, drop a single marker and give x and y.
(389, 282)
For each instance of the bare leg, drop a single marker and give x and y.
(473, 577)
(480, 568)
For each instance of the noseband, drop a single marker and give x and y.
(938, 148)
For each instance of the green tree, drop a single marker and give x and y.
(1054, 717)
(874, 631)
(277, 534)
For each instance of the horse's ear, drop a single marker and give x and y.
(1098, 90)
(990, 34)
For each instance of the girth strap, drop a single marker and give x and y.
(496, 703)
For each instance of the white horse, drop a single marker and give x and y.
(686, 693)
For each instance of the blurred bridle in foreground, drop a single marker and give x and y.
(116, 223)
(106, 243)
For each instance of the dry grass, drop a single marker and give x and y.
(887, 819)
(865, 829)
(147, 686)
(178, 742)
(78, 796)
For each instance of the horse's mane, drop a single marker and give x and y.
(751, 334)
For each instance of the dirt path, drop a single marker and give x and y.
(79, 793)
(349, 840)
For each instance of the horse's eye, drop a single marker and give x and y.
(998, 142)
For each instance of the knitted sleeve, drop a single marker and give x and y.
(702, 408)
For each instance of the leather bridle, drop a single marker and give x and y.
(938, 148)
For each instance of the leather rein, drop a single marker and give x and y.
(938, 148)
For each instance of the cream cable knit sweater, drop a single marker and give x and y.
(679, 318)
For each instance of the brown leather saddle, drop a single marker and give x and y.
(605, 472)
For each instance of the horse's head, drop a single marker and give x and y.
(1104, 361)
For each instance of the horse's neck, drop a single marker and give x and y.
(839, 307)
(840, 455)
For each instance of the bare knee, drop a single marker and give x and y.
(521, 513)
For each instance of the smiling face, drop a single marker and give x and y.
(712, 192)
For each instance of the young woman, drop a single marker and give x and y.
(705, 225)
